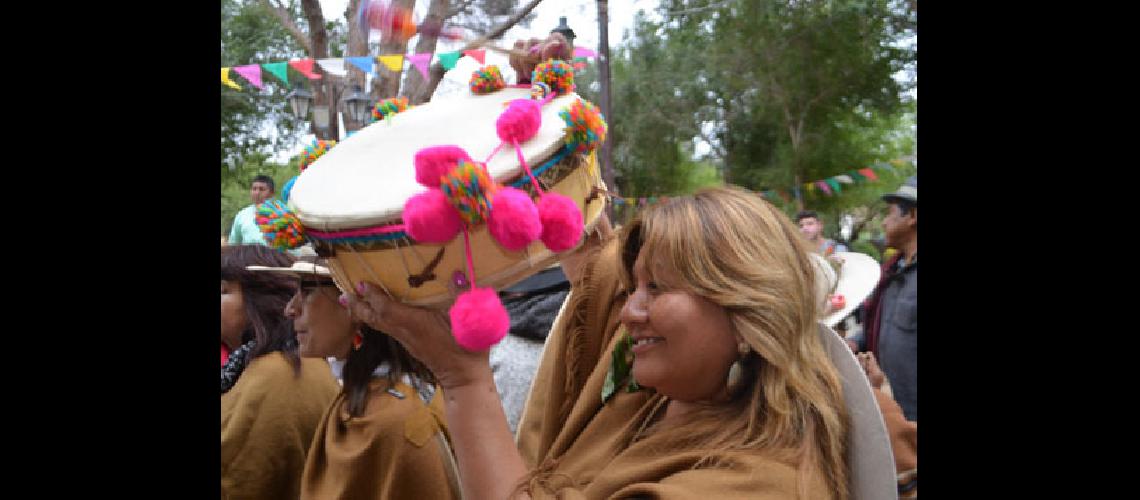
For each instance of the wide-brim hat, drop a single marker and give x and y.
(907, 192)
(858, 276)
(869, 453)
(298, 269)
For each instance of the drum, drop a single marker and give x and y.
(350, 201)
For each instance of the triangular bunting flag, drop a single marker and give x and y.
(784, 195)
(834, 185)
(251, 72)
(305, 67)
(478, 55)
(868, 173)
(809, 187)
(364, 63)
(579, 66)
(823, 187)
(394, 62)
(226, 80)
(846, 179)
(448, 59)
(421, 61)
(333, 67)
(584, 52)
(856, 175)
(280, 70)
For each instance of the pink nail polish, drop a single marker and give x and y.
(360, 288)
(343, 300)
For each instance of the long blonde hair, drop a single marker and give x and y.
(733, 248)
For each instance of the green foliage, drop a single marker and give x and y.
(254, 121)
(770, 89)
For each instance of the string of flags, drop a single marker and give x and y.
(829, 186)
(252, 73)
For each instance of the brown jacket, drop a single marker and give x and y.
(583, 448)
(269, 418)
(397, 449)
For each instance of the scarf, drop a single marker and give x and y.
(235, 365)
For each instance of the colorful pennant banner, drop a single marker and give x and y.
(367, 64)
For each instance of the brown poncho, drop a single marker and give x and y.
(583, 448)
(398, 448)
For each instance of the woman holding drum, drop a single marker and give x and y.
(689, 358)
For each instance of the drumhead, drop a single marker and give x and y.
(365, 180)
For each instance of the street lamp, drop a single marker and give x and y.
(358, 105)
(300, 100)
(564, 30)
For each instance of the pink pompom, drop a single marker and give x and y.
(479, 320)
(514, 219)
(520, 121)
(429, 218)
(432, 163)
(561, 222)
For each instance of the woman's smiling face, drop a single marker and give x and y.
(683, 343)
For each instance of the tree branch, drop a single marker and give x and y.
(285, 16)
(437, 70)
(711, 6)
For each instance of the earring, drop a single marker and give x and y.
(357, 341)
(735, 380)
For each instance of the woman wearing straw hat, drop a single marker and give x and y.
(732, 392)
(384, 435)
(272, 400)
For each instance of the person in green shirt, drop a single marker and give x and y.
(245, 230)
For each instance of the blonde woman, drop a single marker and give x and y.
(730, 395)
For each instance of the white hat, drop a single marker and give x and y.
(869, 453)
(297, 269)
(858, 276)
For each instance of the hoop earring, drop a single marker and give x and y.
(735, 380)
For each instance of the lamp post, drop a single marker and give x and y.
(357, 104)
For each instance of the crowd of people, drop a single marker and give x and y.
(686, 354)
(330, 393)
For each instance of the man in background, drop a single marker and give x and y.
(245, 230)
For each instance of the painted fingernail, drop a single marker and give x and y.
(360, 288)
(343, 300)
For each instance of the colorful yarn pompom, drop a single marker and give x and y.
(559, 75)
(539, 91)
(388, 107)
(429, 217)
(470, 189)
(479, 320)
(486, 80)
(514, 221)
(520, 121)
(287, 189)
(585, 126)
(561, 222)
(280, 227)
(434, 162)
(314, 151)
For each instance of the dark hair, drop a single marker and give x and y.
(905, 206)
(264, 296)
(806, 214)
(376, 349)
(265, 179)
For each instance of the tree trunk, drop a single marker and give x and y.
(357, 47)
(388, 84)
(604, 79)
(319, 41)
(436, 15)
